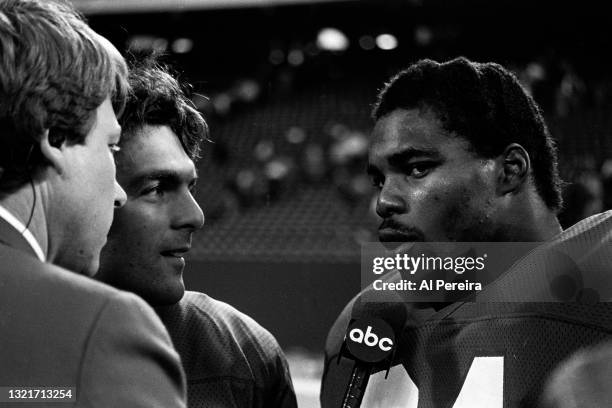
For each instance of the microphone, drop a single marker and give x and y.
(386, 317)
(369, 342)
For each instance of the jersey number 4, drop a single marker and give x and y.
(483, 387)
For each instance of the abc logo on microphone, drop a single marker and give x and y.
(370, 340)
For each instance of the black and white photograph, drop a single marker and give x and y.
(305, 203)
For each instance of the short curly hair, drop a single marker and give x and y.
(483, 103)
(156, 98)
(54, 73)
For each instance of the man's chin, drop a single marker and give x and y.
(400, 247)
(92, 269)
(83, 265)
(170, 294)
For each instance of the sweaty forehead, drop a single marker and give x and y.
(412, 130)
(154, 149)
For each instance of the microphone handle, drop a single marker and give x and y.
(357, 385)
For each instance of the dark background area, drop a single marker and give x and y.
(283, 185)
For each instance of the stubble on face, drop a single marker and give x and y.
(430, 180)
(468, 219)
(152, 232)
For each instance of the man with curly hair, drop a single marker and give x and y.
(229, 359)
(460, 153)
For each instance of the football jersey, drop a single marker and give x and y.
(494, 353)
(229, 359)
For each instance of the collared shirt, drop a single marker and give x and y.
(24, 231)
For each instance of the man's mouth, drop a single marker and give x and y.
(391, 231)
(393, 235)
(176, 252)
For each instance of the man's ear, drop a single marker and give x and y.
(516, 167)
(53, 154)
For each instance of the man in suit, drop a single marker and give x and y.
(60, 86)
(229, 359)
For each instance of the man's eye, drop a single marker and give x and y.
(420, 169)
(377, 182)
(114, 148)
(153, 190)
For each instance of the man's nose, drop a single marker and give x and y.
(120, 196)
(189, 213)
(390, 199)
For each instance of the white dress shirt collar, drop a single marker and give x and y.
(24, 231)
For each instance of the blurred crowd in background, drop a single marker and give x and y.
(287, 92)
(310, 152)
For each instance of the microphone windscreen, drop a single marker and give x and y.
(395, 314)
